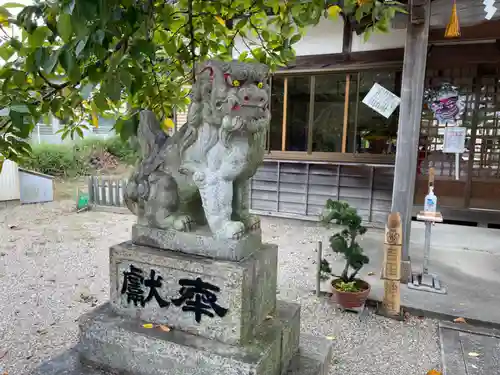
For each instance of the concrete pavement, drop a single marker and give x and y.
(468, 350)
(467, 260)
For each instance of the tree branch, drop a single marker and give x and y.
(51, 84)
(262, 41)
(122, 43)
(191, 34)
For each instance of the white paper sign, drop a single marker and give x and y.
(381, 100)
(454, 139)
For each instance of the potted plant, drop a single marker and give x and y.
(350, 291)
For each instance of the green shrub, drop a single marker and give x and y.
(62, 160)
(127, 152)
(71, 160)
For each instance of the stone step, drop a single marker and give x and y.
(123, 343)
(314, 358)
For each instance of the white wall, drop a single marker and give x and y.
(378, 41)
(9, 182)
(327, 36)
(323, 39)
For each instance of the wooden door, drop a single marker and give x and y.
(483, 188)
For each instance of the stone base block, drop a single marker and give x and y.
(215, 299)
(111, 340)
(313, 358)
(200, 242)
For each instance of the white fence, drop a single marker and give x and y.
(9, 182)
(106, 191)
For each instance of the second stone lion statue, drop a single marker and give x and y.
(201, 174)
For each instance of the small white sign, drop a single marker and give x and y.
(454, 139)
(381, 100)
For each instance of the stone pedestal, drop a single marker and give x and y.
(236, 296)
(223, 314)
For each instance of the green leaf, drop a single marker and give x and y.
(241, 23)
(367, 35)
(81, 45)
(113, 89)
(170, 47)
(75, 74)
(20, 108)
(19, 78)
(4, 15)
(128, 128)
(144, 46)
(94, 73)
(13, 5)
(99, 36)
(100, 101)
(125, 78)
(67, 60)
(17, 119)
(51, 61)
(38, 37)
(6, 51)
(16, 44)
(79, 132)
(294, 39)
(86, 91)
(64, 27)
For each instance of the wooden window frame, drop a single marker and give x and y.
(310, 155)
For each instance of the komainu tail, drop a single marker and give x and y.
(151, 139)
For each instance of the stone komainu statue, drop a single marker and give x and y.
(201, 174)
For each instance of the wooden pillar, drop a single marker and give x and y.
(412, 89)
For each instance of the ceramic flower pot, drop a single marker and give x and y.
(351, 300)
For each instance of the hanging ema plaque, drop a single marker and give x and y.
(445, 103)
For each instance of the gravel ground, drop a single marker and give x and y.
(54, 267)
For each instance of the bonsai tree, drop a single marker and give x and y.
(345, 242)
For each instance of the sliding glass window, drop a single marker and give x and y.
(326, 113)
(329, 102)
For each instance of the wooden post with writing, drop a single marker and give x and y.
(391, 272)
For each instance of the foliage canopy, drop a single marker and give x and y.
(77, 60)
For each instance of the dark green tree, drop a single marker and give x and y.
(81, 59)
(346, 241)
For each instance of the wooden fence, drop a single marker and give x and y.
(294, 190)
(106, 193)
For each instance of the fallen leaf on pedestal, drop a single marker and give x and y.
(434, 372)
(473, 354)
(460, 320)
(147, 325)
(164, 328)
